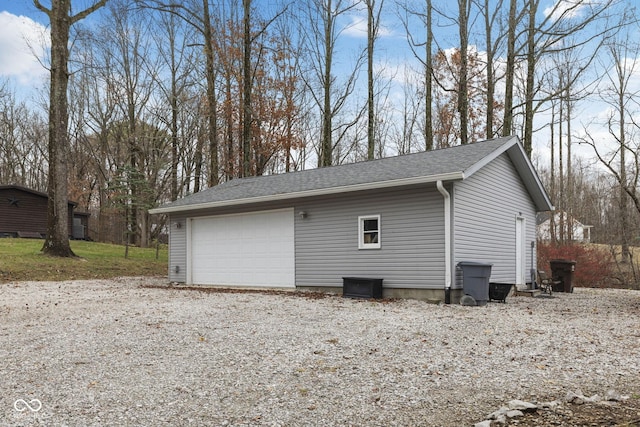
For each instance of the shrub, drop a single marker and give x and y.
(594, 264)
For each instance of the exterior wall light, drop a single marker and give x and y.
(303, 214)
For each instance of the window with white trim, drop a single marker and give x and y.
(369, 232)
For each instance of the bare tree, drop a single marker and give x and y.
(172, 46)
(23, 139)
(557, 31)
(464, 13)
(373, 25)
(513, 21)
(621, 157)
(426, 17)
(322, 21)
(61, 19)
(95, 85)
(491, 18)
(130, 49)
(197, 13)
(248, 78)
(410, 111)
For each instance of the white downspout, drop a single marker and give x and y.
(447, 240)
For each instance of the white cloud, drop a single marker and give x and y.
(21, 39)
(566, 9)
(357, 28)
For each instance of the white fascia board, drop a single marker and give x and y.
(491, 157)
(312, 193)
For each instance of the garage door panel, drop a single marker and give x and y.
(255, 249)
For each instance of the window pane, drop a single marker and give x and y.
(371, 237)
(370, 225)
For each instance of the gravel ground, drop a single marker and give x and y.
(132, 351)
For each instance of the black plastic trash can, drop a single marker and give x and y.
(475, 280)
(562, 270)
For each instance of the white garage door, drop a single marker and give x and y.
(253, 249)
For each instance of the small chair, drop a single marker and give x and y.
(546, 283)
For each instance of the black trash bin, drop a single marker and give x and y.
(475, 280)
(562, 271)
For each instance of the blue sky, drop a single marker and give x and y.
(24, 31)
(24, 35)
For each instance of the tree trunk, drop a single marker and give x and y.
(552, 171)
(561, 175)
(490, 82)
(507, 122)
(623, 203)
(175, 161)
(463, 98)
(569, 186)
(428, 83)
(57, 240)
(529, 90)
(371, 110)
(327, 144)
(211, 98)
(247, 116)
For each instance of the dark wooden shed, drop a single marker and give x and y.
(23, 213)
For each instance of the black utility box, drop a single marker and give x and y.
(361, 287)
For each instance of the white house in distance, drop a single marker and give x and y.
(408, 220)
(580, 233)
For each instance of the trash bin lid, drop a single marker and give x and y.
(474, 263)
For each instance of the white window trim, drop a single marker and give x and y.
(361, 242)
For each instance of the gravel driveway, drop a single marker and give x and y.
(118, 352)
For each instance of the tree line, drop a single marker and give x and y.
(167, 98)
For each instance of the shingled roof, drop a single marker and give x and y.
(455, 163)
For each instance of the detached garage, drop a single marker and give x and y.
(406, 219)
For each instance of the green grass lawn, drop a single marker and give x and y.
(21, 259)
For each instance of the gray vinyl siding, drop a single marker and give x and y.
(177, 249)
(412, 238)
(486, 206)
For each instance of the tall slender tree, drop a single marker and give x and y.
(464, 7)
(61, 18)
(373, 24)
(512, 24)
(330, 97)
(622, 158)
(247, 80)
(199, 16)
(426, 17)
(491, 16)
(558, 30)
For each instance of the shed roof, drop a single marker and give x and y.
(30, 191)
(448, 164)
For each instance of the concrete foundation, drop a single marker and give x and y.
(430, 295)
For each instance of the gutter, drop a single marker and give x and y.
(447, 241)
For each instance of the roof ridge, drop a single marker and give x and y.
(368, 162)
